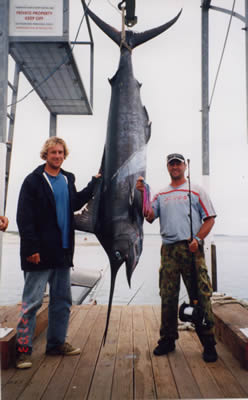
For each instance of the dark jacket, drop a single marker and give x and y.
(37, 220)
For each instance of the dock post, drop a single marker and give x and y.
(214, 267)
(4, 46)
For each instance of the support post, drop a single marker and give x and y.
(214, 267)
(246, 60)
(53, 125)
(4, 51)
(205, 88)
(9, 143)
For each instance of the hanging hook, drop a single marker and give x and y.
(130, 18)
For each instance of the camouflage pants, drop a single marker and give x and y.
(176, 261)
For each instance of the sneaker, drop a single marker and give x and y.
(23, 361)
(210, 354)
(164, 348)
(65, 349)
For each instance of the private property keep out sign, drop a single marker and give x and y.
(36, 18)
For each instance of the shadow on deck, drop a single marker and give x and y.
(125, 368)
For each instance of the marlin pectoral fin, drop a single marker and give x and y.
(148, 128)
(86, 220)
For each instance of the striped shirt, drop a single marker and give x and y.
(171, 206)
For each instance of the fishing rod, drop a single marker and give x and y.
(192, 312)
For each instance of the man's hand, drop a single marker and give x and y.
(140, 184)
(193, 246)
(34, 259)
(149, 214)
(4, 222)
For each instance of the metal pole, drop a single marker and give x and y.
(53, 125)
(205, 89)
(12, 117)
(91, 60)
(205, 112)
(4, 51)
(246, 60)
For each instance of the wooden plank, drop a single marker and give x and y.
(103, 377)
(186, 384)
(84, 321)
(14, 381)
(81, 381)
(123, 373)
(229, 319)
(193, 353)
(125, 367)
(21, 378)
(10, 316)
(226, 381)
(144, 387)
(46, 371)
(224, 377)
(185, 381)
(233, 365)
(163, 377)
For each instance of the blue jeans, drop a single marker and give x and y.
(60, 302)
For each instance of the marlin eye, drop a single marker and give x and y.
(118, 255)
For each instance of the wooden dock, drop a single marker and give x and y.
(125, 368)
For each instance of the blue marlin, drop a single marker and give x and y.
(115, 214)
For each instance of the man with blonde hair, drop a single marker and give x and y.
(47, 201)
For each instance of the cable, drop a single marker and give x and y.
(64, 60)
(222, 55)
(112, 5)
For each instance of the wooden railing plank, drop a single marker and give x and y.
(233, 365)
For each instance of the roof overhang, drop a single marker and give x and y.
(51, 69)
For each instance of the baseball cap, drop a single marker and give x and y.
(175, 156)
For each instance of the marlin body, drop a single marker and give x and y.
(116, 209)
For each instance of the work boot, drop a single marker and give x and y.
(164, 347)
(65, 349)
(208, 341)
(209, 353)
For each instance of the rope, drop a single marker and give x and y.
(222, 299)
(222, 55)
(123, 31)
(55, 69)
(112, 5)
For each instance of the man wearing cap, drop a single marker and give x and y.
(171, 206)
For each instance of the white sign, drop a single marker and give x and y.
(36, 18)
